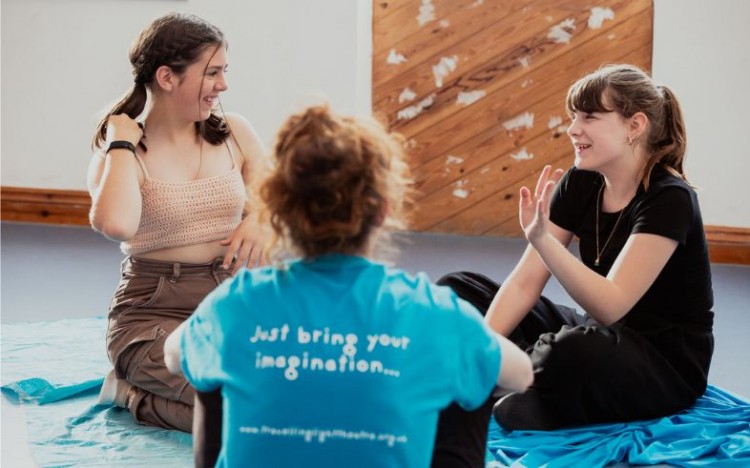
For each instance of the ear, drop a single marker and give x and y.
(165, 78)
(638, 125)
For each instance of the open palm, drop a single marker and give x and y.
(533, 208)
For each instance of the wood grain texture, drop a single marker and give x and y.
(47, 206)
(71, 207)
(478, 89)
(728, 244)
(479, 94)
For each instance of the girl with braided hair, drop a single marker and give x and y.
(168, 181)
(333, 356)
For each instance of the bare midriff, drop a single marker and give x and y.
(198, 253)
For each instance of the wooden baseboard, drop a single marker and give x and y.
(728, 244)
(71, 207)
(46, 206)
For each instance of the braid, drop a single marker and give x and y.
(175, 40)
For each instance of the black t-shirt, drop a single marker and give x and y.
(682, 294)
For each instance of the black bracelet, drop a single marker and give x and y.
(121, 144)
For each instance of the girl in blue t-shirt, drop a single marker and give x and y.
(333, 358)
(644, 347)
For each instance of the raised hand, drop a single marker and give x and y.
(122, 127)
(533, 211)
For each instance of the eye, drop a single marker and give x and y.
(589, 116)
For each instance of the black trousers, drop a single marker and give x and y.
(461, 439)
(587, 373)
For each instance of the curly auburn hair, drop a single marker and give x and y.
(335, 180)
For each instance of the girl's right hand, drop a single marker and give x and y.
(122, 127)
(533, 209)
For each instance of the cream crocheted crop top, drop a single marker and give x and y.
(176, 214)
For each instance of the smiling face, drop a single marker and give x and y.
(598, 138)
(199, 86)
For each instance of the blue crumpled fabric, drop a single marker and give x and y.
(714, 432)
(54, 371)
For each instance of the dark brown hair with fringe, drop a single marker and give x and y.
(626, 89)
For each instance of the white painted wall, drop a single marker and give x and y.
(63, 61)
(702, 50)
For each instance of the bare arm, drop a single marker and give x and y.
(516, 371)
(114, 181)
(252, 151)
(172, 351)
(522, 288)
(605, 299)
(609, 299)
(246, 242)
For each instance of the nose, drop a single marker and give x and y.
(573, 129)
(221, 84)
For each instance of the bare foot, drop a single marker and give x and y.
(114, 391)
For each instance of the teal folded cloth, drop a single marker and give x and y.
(39, 391)
(714, 432)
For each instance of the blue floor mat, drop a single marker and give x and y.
(55, 369)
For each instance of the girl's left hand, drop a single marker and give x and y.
(533, 211)
(246, 247)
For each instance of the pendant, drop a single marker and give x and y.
(596, 262)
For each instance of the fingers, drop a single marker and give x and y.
(524, 197)
(542, 182)
(122, 127)
(228, 257)
(540, 208)
(542, 203)
(253, 256)
(249, 255)
(264, 258)
(524, 200)
(556, 175)
(547, 194)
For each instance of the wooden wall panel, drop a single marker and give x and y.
(478, 87)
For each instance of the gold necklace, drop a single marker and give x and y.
(611, 233)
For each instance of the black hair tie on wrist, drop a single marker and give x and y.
(121, 144)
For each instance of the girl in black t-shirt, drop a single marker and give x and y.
(643, 348)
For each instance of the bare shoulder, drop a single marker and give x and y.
(244, 136)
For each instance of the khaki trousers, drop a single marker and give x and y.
(152, 299)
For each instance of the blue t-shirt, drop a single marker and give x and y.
(337, 361)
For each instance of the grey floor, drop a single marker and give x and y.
(49, 273)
